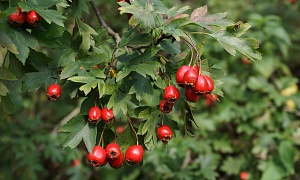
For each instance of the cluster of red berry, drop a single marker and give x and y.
(113, 154)
(196, 84)
(95, 114)
(18, 18)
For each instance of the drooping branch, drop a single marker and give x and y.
(110, 31)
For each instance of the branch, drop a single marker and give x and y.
(102, 22)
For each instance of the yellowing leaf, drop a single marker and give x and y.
(292, 89)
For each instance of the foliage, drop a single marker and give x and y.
(254, 126)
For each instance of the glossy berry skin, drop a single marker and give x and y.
(191, 96)
(244, 175)
(134, 154)
(171, 94)
(107, 115)
(165, 106)
(201, 85)
(97, 157)
(32, 18)
(190, 77)
(180, 73)
(164, 133)
(94, 114)
(53, 92)
(113, 151)
(117, 163)
(210, 84)
(17, 18)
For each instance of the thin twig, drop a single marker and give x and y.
(137, 140)
(65, 120)
(103, 23)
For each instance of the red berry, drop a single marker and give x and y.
(113, 151)
(190, 77)
(76, 162)
(33, 18)
(134, 154)
(117, 163)
(246, 61)
(180, 73)
(107, 115)
(244, 175)
(164, 133)
(120, 129)
(171, 94)
(94, 114)
(201, 85)
(165, 106)
(97, 157)
(191, 96)
(292, 1)
(210, 84)
(53, 92)
(17, 18)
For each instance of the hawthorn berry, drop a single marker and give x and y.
(17, 18)
(113, 151)
(244, 175)
(32, 18)
(164, 133)
(165, 106)
(210, 99)
(210, 84)
(107, 115)
(117, 163)
(190, 77)
(53, 92)
(120, 129)
(191, 96)
(201, 85)
(134, 154)
(94, 114)
(97, 157)
(171, 94)
(180, 73)
(76, 162)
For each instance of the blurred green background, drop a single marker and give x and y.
(255, 127)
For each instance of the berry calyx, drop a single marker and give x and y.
(164, 133)
(117, 163)
(180, 73)
(94, 114)
(201, 85)
(53, 92)
(171, 94)
(32, 18)
(107, 115)
(97, 157)
(190, 77)
(113, 151)
(191, 96)
(134, 154)
(244, 175)
(165, 106)
(17, 18)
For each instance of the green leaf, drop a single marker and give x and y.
(101, 88)
(176, 33)
(34, 80)
(200, 16)
(7, 104)
(3, 89)
(231, 44)
(145, 68)
(233, 165)
(287, 154)
(118, 103)
(90, 83)
(172, 48)
(86, 32)
(6, 75)
(6, 42)
(141, 87)
(67, 57)
(174, 11)
(126, 138)
(79, 129)
(71, 69)
(273, 171)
